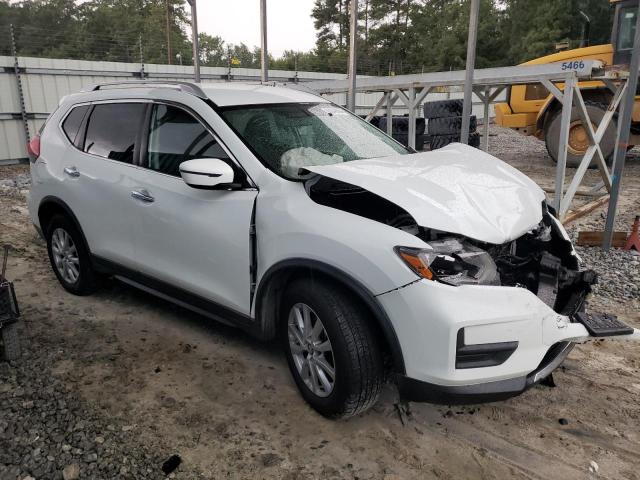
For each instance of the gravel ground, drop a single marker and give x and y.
(46, 432)
(112, 385)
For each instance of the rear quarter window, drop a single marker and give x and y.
(71, 124)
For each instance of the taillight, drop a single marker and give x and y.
(33, 147)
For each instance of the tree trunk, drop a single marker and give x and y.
(340, 17)
(366, 23)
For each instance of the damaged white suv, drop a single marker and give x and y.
(274, 210)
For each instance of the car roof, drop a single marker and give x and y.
(236, 93)
(223, 94)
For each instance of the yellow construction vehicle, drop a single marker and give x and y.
(532, 110)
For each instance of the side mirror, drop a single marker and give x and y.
(207, 173)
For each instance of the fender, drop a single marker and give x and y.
(285, 268)
(61, 204)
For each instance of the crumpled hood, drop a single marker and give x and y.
(456, 189)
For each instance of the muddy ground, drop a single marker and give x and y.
(227, 405)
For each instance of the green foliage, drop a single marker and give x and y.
(394, 36)
(408, 36)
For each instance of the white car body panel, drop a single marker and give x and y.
(291, 226)
(210, 227)
(100, 194)
(456, 189)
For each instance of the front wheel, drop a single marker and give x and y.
(333, 356)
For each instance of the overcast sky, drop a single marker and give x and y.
(289, 23)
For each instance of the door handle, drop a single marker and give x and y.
(72, 172)
(142, 195)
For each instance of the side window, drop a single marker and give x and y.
(174, 137)
(71, 124)
(112, 130)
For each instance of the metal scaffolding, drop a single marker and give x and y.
(561, 79)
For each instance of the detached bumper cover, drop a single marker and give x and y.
(418, 391)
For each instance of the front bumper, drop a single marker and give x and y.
(428, 316)
(417, 391)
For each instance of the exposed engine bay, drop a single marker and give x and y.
(542, 260)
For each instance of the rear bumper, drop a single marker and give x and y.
(419, 391)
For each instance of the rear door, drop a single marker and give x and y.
(100, 176)
(191, 239)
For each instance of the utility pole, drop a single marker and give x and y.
(624, 127)
(142, 74)
(16, 71)
(194, 40)
(264, 54)
(166, 2)
(471, 64)
(351, 95)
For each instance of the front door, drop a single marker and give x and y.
(195, 240)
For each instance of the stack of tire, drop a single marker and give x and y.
(445, 123)
(400, 131)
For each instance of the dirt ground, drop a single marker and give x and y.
(228, 405)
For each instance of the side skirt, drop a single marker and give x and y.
(175, 295)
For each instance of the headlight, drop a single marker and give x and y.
(453, 261)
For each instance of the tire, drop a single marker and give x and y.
(574, 157)
(439, 141)
(354, 351)
(443, 109)
(450, 125)
(11, 342)
(85, 281)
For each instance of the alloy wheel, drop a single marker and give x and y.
(65, 255)
(311, 350)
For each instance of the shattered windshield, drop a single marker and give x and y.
(289, 137)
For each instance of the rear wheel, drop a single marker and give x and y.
(578, 137)
(333, 356)
(69, 257)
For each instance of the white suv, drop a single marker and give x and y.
(274, 210)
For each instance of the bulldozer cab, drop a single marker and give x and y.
(624, 30)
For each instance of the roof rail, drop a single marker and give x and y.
(186, 87)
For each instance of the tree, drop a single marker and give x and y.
(213, 52)
(394, 36)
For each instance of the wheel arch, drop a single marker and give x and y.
(50, 206)
(273, 284)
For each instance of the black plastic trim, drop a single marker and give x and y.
(203, 174)
(419, 391)
(356, 287)
(171, 292)
(482, 354)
